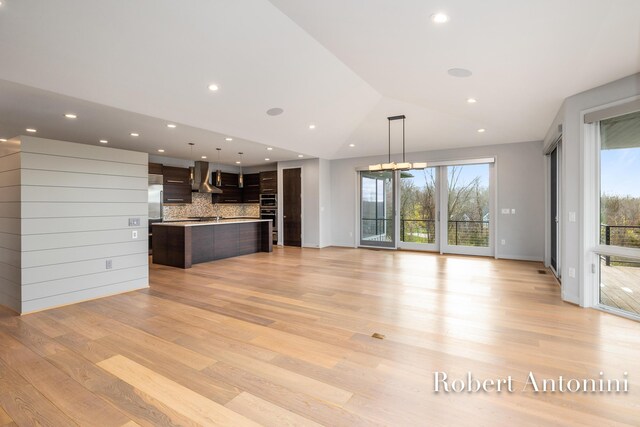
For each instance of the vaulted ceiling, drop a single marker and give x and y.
(341, 65)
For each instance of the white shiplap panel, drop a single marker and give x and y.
(75, 210)
(10, 162)
(69, 164)
(39, 242)
(9, 210)
(81, 268)
(83, 151)
(10, 273)
(71, 255)
(82, 180)
(10, 225)
(82, 195)
(67, 225)
(83, 295)
(10, 193)
(10, 257)
(10, 241)
(9, 178)
(75, 284)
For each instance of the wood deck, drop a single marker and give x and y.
(620, 287)
(285, 339)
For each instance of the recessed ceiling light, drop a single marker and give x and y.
(312, 126)
(228, 139)
(471, 100)
(135, 134)
(160, 150)
(31, 130)
(237, 162)
(352, 145)
(104, 141)
(300, 155)
(213, 87)
(267, 159)
(459, 72)
(275, 111)
(203, 157)
(440, 18)
(269, 148)
(70, 116)
(482, 130)
(171, 125)
(3, 140)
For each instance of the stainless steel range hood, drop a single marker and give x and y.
(201, 175)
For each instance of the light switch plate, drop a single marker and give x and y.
(572, 272)
(505, 211)
(134, 222)
(513, 211)
(572, 217)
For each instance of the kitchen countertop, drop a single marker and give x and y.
(220, 222)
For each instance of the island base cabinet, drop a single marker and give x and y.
(183, 246)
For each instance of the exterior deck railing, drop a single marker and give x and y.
(627, 236)
(464, 233)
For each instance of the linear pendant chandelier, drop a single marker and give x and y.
(393, 165)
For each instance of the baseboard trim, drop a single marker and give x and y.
(520, 258)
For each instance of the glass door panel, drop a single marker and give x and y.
(377, 208)
(418, 209)
(620, 211)
(467, 214)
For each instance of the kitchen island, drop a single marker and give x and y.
(182, 244)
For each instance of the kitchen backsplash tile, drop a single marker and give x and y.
(201, 206)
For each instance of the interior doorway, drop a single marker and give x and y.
(292, 206)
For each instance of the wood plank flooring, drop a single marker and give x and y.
(285, 339)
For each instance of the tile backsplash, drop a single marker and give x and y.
(201, 206)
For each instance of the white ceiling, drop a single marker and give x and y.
(344, 65)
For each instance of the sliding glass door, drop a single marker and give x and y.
(377, 209)
(445, 208)
(619, 228)
(466, 213)
(419, 209)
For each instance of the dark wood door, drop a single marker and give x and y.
(292, 206)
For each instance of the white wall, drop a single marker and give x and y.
(573, 251)
(75, 204)
(10, 244)
(324, 182)
(520, 182)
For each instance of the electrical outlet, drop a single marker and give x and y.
(503, 242)
(505, 211)
(134, 234)
(572, 217)
(513, 211)
(572, 272)
(109, 264)
(351, 234)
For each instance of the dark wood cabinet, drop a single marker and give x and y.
(175, 176)
(177, 185)
(251, 190)
(231, 192)
(269, 182)
(155, 169)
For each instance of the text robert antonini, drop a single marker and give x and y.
(468, 384)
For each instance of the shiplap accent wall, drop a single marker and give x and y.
(75, 205)
(10, 259)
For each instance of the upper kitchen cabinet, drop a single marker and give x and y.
(155, 169)
(251, 190)
(269, 182)
(177, 185)
(231, 192)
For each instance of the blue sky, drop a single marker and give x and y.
(620, 172)
(469, 172)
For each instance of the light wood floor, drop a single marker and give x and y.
(285, 339)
